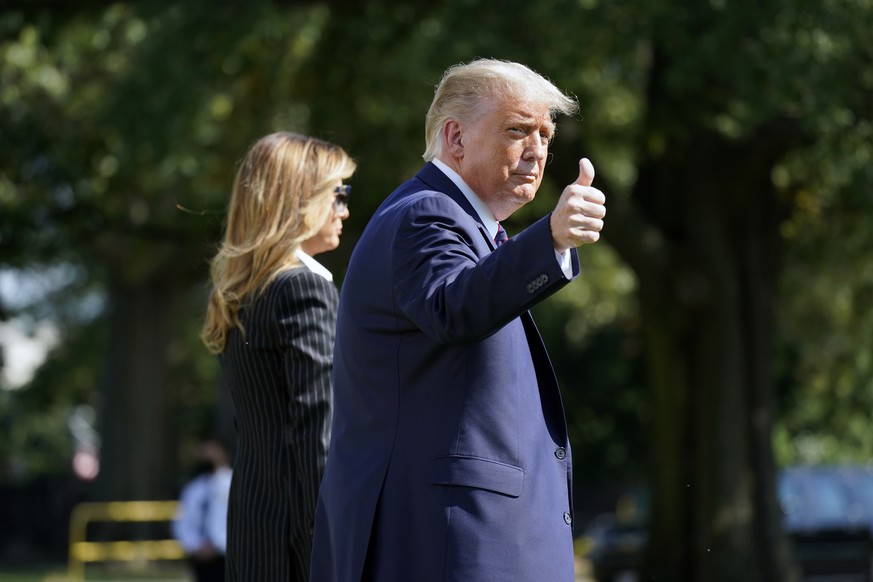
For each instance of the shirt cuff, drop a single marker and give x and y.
(565, 263)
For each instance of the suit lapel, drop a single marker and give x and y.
(435, 179)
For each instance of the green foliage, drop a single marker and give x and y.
(35, 418)
(121, 131)
(119, 122)
(122, 126)
(826, 320)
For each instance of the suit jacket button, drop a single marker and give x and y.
(567, 519)
(560, 453)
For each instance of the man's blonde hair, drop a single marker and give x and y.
(464, 89)
(282, 196)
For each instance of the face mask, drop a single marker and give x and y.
(203, 466)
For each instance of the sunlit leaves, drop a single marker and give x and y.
(122, 126)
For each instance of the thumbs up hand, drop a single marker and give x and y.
(578, 216)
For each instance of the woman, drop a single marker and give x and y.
(271, 318)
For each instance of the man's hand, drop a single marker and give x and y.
(578, 217)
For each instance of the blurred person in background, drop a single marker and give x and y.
(271, 318)
(201, 523)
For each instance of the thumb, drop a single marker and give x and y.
(586, 173)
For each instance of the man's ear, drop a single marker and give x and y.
(453, 138)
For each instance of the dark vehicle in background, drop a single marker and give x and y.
(827, 514)
(617, 540)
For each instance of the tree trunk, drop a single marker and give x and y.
(709, 321)
(138, 454)
(700, 230)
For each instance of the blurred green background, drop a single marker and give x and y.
(721, 330)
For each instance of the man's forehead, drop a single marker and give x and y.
(528, 113)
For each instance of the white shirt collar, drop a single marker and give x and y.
(313, 265)
(483, 211)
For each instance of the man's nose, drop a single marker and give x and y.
(535, 149)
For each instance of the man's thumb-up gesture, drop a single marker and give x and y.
(578, 217)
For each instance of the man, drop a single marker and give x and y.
(449, 458)
(201, 523)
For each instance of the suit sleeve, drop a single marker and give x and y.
(449, 284)
(307, 323)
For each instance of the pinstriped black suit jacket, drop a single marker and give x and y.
(279, 373)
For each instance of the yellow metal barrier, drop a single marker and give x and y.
(82, 551)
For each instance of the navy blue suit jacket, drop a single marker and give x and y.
(449, 457)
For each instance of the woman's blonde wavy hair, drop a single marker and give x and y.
(283, 194)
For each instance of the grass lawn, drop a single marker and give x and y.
(98, 573)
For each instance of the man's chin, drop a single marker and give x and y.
(525, 194)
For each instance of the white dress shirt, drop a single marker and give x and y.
(202, 515)
(314, 265)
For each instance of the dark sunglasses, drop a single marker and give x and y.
(342, 197)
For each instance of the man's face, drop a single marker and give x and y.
(504, 154)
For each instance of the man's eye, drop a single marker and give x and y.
(517, 130)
